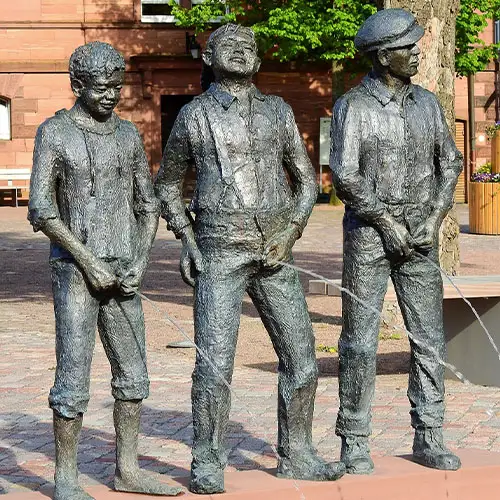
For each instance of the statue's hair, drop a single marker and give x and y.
(95, 58)
(226, 29)
(207, 75)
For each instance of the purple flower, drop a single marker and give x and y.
(485, 177)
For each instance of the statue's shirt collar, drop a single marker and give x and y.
(225, 99)
(382, 92)
(92, 126)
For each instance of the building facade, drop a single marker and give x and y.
(37, 38)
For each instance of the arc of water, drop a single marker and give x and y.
(411, 335)
(466, 300)
(379, 314)
(205, 356)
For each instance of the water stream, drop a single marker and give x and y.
(468, 302)
(411, 335)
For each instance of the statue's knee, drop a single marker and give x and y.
(304, 376)
(208, 380)
(363, 349)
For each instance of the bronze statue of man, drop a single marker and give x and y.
(248, 218)
(92, 195)
(395, 166)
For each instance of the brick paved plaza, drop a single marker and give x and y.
(27, 368)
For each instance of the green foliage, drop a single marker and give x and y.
(491, 130)
(313, 30)
(326, 348)
(288, 29)
(473, 54)
(389, 336)
(484, 169)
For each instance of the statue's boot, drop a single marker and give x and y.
(355, 454)
(206, 478)
(128, 477)
(297, 457)
(429, 450)
(67, 435)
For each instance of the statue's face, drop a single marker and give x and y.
(100, 94)
(403, 61)
(235, 54)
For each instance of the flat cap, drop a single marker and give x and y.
(388, 29)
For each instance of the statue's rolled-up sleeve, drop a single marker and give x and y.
(42, 202)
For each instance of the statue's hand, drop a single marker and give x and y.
(426, 235)
(279, 248)
(191, 262)
(100, 275)
(131, 280)
(397, 240)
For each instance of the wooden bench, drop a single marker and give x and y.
(467, 344)
(10, 181)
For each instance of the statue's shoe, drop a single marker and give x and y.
(310, 467)
(430, 451)
(355, 455)
(206, 479)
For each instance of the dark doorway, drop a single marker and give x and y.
(170, 107)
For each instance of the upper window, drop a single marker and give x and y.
(4, 119)
(157, 11)
(160, 11)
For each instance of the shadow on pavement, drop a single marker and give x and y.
(96, 453)
(392, 363)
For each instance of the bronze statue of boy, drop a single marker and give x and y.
(92, 195)
(247, 220)
(395, 166)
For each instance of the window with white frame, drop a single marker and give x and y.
(5, 119)
(160, 11)
(157, 11)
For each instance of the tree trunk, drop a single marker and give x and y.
(437, 73)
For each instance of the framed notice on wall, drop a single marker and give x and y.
(324, 140)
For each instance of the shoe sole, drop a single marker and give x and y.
(423, 462)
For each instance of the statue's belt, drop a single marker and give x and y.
(268, 222)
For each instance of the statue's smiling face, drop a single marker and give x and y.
(235, 53)
(100, 94)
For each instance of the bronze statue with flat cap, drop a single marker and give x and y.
(395, 166)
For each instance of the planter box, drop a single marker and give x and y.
(484, 207)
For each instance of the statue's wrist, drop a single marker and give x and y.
(384, 222)
(186, 235)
